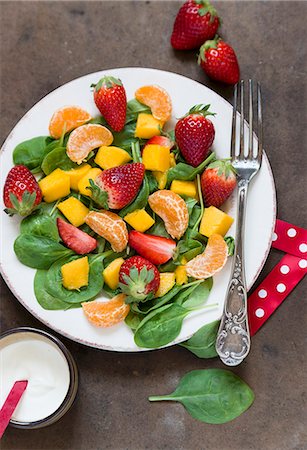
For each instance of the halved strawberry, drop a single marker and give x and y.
(156, 249)
(75, 239)
(139, 279)
(115, 188)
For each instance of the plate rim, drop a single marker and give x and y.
(176, 341)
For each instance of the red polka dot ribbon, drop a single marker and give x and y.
(283, 278)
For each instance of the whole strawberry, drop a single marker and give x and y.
(21, 192)
(219, 61)
(139, 279)
(110, 98)
(195, 134)
(115, 188)
(196, 22)
(217, 182)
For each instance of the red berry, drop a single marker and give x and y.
(196, 22)
(156, 249)
(195, 135)
(217, 183)
(115, 188)
(139, 279)
(110, 98)
(219, 61)
(21, 192)
(75, 239)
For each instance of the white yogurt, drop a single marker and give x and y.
(30, 356)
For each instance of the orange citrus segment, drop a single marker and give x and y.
(111, 227)
(173, 211)
(106, 313)
(86, 138)
(67, 118)
(157, 99)
(211, 261)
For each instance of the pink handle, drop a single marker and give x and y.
(10, 404)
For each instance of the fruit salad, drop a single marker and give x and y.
(119, 217)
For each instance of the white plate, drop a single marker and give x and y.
(185, 93)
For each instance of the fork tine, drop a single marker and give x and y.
(241, 153)
(259, 125)
(234, 119)
(250, 119)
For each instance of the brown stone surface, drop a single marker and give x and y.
(45, 44)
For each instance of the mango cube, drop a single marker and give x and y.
(186, 188)
(147, 126)
(140, 220)
(75, 273)
(108, 157)
(181, 275)
(167, 281)
(172, 160)
(74, 211)
(84, 182)
(215, 221)
(161, 178)
(76, 175)
(55, 185)
(156, 158)
(111, 273)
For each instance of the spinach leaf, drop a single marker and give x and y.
(46, 300)
(139, 202)
(31, 153)
(212, 395)
(158, 228)
(152, 182)
(134, 108)
(202, 343)
(133, 320)
(125, 138)
(99, 121)
(187, 292)
(95, 281)
(40, 225)
(186, 172)
(57, 159)
(199, 295)
(231, 245)
(39, 252)
(161, 326)
(151, 305)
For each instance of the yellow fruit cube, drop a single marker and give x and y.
(55, 185)
(186, 188)
(76, 175)
(215, 221)
(75, 273)
(172, 160)
(111, 273)
(74, 211)
(108, 157)
(161, 178)
(147, 126)
(156, 158)
(167, 281)
(140, 220)
(181, 275)
(84, 183)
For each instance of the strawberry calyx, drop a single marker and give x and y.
(135, 284)
(224, 167)
(99, 196)
(213, 43)
(23, 206)
(206, 8)
(200, 109)
(106, 82)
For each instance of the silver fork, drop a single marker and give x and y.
(233, 339)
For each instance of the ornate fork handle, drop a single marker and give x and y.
(233, 340)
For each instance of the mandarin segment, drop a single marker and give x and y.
(86, 138)
(106, 313)
(110, 226)
(211, 261)
(157, 99)
(173, 211)
(66, 119)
